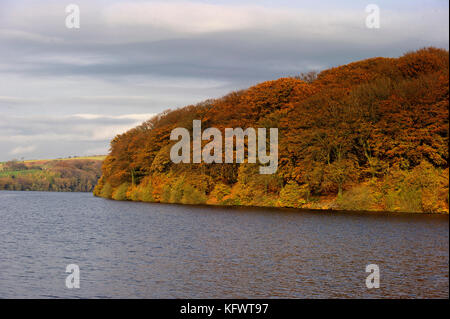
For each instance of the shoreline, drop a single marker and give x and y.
(237, 207)
(289, 209)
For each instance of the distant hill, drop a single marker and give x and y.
(370, 135)
(77, 174)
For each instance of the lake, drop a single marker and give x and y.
(144, 250)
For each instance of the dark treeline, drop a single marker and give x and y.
(370, 135)
(61, 176)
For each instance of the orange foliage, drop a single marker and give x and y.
(346, 126)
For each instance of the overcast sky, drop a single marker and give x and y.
(67, 91)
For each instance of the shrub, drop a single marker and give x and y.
(166, 193)
(121, 192)
(147, 193)
(293, 195)
(176, 192)
(106, 191)
(192, 195)
(220, 191)
(358, 198)
(421, 189)
(134, 193)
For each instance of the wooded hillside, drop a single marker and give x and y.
(64, 175)
(370, 135)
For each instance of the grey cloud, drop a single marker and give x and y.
(120, 62)
(79, 133)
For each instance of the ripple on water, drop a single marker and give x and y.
(140, 250)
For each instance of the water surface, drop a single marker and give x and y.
(142, 250)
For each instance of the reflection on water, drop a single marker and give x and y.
(141, 250)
